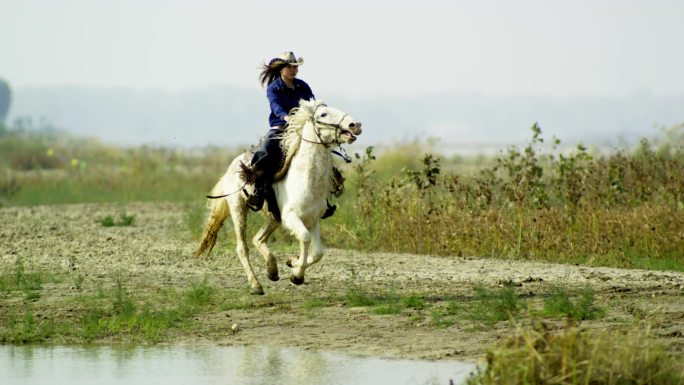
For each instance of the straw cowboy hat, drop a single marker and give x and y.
(289, 58)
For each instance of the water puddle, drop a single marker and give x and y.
(214, 365)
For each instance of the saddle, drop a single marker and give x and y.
(249, 175)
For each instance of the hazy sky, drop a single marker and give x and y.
(365, 48)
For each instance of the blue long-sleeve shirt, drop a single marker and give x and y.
(283, 98)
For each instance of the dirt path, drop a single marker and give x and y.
(155, 253)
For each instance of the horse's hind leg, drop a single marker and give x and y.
(239, 214)
(259, 242)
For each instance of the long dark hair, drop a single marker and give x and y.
(271, 71)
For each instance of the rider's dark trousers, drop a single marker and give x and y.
(268, 157)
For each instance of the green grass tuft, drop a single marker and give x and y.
(358, 297)
(107, 221)
(577, 306)
(30, 283)
(27, 329)
(388, 308)
(126, 317)
(125, 219)
(313, 303)
(413, 302)
(492, 306)
(78, 281)
(200, 294)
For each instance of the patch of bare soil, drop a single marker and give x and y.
(156, 253)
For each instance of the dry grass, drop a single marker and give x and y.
(623, 210)
(537, 356)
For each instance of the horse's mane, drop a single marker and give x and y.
(292, 137)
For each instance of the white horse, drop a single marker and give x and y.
(301, 194)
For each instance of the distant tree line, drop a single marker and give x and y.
(5, 100)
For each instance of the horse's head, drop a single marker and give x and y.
(334, 124)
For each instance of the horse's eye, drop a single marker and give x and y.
(323, 115)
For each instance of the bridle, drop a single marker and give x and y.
(317, 123)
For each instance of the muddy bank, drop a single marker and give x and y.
(155, 253)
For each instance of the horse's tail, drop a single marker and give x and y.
(218, 213)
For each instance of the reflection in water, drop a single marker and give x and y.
(213, 365)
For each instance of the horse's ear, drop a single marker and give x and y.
(313, 103)
(308, 105)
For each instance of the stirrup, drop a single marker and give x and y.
(255, 201)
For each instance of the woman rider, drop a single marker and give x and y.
(284, 91)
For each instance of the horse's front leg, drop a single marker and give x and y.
(300, 232)
(300, 265)
(316, 245)
(259, 242)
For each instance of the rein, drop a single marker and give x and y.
(227, 195)
(342, 153)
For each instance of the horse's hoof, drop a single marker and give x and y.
(290, 261)
(296, 281)
(273, 277)
(257, 291)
